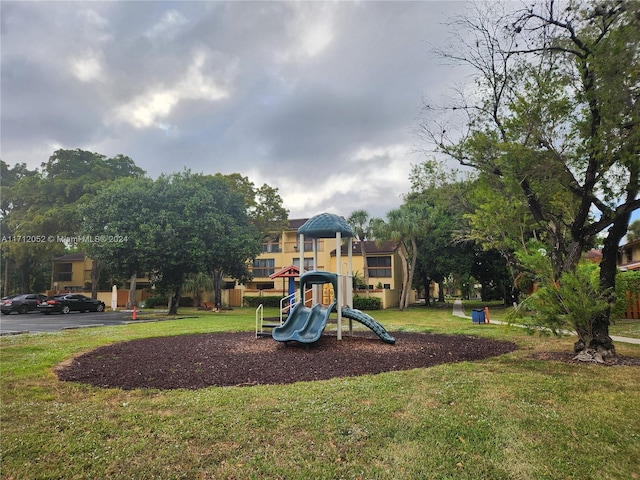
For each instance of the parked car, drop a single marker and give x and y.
(27, 302)
(70, 302)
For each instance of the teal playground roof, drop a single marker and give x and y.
(325, 225)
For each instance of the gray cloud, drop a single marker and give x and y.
(316, 98)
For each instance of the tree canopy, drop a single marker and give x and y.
(554, 122)
(173, 227)
(43, 204)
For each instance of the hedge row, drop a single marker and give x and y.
(364, 303)
(266, 301)
(359, 303)
(163, 301)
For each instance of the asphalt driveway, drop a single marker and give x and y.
(39, 322)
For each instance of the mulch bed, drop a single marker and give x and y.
(239, 359)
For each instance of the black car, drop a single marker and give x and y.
(27, 302)
(70, 302)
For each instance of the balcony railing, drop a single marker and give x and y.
(291, 247)
(271, 248)
(263, 272)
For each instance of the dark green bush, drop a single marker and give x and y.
(364, 303)
(159, 300)
(626, 283)
(360, 303)
(156, 301)
(185, 302)
(270, 301)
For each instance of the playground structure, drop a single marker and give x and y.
(308, 317)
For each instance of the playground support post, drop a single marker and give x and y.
(301, 259)
(339, 292)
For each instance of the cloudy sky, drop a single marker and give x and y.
(320, 99)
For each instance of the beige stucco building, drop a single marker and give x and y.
(72, 272)
(385, 269)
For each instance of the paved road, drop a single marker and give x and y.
(38, 322)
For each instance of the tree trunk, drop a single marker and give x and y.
(175, 301)
(405, 273)
(412, 268)
(426, 281)
(196, 298)
(217, 275)
(25, 277)
(95, 278)
(597, 345)
(132, 291)
(441, 291)
(365, 273)
(6, 278)
(427, 294)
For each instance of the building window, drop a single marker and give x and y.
(379, 266)
(308, 263)
(308, 246)
(64, 272)
(263, 267)
(271, 245)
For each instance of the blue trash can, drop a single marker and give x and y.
(477, 315)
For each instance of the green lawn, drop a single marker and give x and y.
(510, 417)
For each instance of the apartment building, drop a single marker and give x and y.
(629, 256)
(282, 251)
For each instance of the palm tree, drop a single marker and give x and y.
(402, 227)
(196, 284)
(361, 224)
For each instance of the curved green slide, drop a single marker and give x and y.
(304, 324)
(368, 321)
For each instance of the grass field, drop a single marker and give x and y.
(510, 417)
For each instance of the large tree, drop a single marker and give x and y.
(499, 220)
(263, 204)
(440, 252)
(360, 222)
(402, 226)
(172, 228)
(555, 115)
(115, 217)
(264, 210)
(44, 203)
(26, 265)
(634, 231)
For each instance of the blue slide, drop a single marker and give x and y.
(368, 321)
(304, 324)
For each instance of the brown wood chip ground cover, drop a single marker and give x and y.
(240, 359)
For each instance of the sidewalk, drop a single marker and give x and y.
(458, 311)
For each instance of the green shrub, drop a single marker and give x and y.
(270, 301)
(156, 300)
(185, 302)
(159, 300)
(575, 302)
(360, 303)
(626, 282)
(364, 303)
